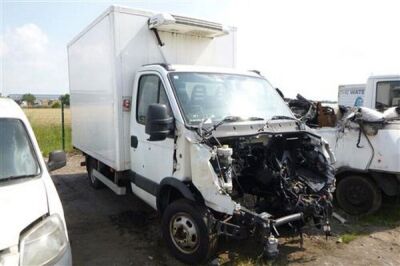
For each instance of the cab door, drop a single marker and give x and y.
(151, 161)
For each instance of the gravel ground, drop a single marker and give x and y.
(106, 229)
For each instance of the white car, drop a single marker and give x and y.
(32, 223)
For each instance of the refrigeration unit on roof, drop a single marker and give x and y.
(186, 25)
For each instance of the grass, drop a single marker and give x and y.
(388, 216)
(348, 237)
(46, 124)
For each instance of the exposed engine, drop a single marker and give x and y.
(280, 174)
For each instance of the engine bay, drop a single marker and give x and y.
(277, 173)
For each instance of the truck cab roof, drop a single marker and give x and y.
(10, 109)
(396, 77)
(203, 69)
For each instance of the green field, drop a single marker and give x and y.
(46, 124)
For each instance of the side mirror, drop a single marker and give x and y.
(158, 122)
(57, 160)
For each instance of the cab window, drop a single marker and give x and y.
(151, 90)
(387, 94)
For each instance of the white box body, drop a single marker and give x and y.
(352, 95)
(103, 60)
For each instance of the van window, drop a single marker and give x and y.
(151, 90)
(17, 158)
(387, 94)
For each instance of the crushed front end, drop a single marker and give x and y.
(267, 180)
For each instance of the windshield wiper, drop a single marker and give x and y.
(227, 119)
(231, 118)
(17, 177)
(255, 118)
(282, 117)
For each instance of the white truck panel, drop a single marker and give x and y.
(92, 87)
(344, 146)
(351, 95)
(387, 149)
(103, 60)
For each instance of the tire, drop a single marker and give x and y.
(186, 232)
(93, 181)
(358, 195)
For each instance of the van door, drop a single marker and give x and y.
(151, 161)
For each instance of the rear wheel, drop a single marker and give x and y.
(185, 228)
(93, 181)
(358, 195)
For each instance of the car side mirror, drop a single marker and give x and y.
(57, 160)
(158, 122)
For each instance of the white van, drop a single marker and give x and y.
(32, 224)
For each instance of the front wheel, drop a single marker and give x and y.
(358, 195)
(185, 228)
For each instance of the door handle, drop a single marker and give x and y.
(134, 142)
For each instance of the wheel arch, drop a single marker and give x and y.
(171, 189)
(386, 182)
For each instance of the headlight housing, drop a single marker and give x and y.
(44, 243)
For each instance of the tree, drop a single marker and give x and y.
(64, 99)
(56, 105)
(29, 98)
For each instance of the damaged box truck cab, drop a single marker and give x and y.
(215, 150)
(366, 143)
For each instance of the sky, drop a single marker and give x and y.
(308, 47)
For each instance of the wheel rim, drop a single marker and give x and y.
(357, 194)
(184, 233)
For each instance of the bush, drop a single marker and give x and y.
(56, 105)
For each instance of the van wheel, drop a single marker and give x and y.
(93, 181)
(185, 228)
(358, 195)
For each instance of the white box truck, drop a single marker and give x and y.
(380, 93)
(158, 107)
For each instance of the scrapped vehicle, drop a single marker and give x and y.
(366, 144)
(214, 150)
(364, 134)
(32, 224)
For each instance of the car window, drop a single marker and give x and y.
(17, 157)
(151, 90)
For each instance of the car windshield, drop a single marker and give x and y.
(17, 158)
(217, 96)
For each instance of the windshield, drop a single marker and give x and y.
(17, 157)
(217, 96)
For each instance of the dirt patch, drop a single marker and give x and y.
(106, 229)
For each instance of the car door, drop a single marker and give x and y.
(150, 160)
